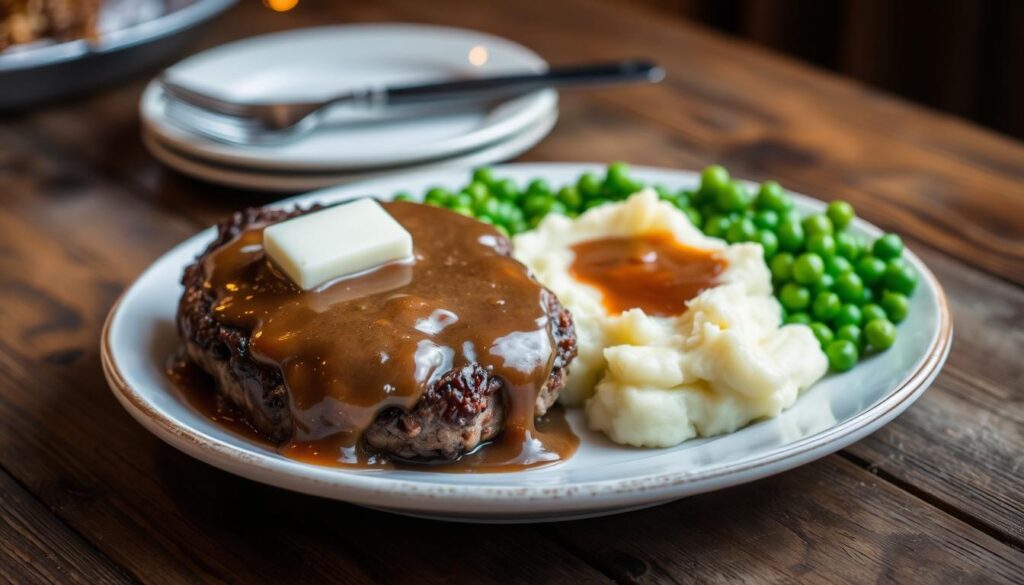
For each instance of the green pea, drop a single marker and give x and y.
(880, 334)
(461, 199)
(817, 224)
(519, 226)
(896, 306)
(769, 242)
(589, 186)
(791, 214)
(823, 245)
(791, 236)
(836, 265)
(707, 211)
(794, 297)
(618, 180)
(823, 284)
(488, 207)
(538, 187)
(478, 191)
(823, 332)
(664, 193)
(712, 180)
(618, 169)
(506, 189)
(508, 212)
(849, 314)
(900, 277)
(888, 247)
(570, 197)
(766, 219)
(867, 296)
(870, 269)
(847, 246)
(484, 175)
(403, 196)
(717, 226)
(437, 196)
(849, 287)
(851, 333)
(504, 230)
(771, 196)
(537, 205)
(463, 210)
(841, 213)
(842, 355)
(798, 319)
(808, 268)
(872, 312)
(694, 215)
(741, 231)
(592, 203)
(559, 208)
(781, 266)
(826, 306)
(683, 199)
(733, 197)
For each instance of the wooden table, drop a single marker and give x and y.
(87, 495)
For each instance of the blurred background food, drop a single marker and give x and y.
(25, 21)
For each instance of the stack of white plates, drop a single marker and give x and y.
(318, 62)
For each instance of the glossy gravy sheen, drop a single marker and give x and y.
(651, 271)
(356, 346)
(198, 390)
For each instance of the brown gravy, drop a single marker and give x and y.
(357, 346)
(197, 389)
(652, 271)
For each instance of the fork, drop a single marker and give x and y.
(246, 123)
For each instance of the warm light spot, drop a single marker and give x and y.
(280, 5)
(478, 55)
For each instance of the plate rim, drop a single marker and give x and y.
(537, 104)
(288, 182)
(519, 499)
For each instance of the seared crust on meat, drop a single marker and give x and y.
(464, 408)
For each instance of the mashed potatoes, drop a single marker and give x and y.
(656, 381)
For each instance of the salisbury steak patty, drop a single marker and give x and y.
(454, 415)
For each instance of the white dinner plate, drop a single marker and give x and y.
(503, 150)
(602, 478)
(314, 63)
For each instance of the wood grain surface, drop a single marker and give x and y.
(937, 496)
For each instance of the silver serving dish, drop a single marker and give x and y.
(132, 36)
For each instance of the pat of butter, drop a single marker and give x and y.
(321, 246)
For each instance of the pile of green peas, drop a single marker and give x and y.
(849, 291)
(514, 208)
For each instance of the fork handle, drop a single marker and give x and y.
(631, 71)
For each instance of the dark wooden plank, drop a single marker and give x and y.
(960, 446)
(38, 548)
(822, 523)
(163, 516)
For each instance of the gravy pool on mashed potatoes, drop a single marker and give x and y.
(656, 381)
